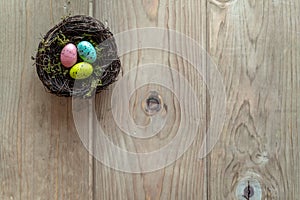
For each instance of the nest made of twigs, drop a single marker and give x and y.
(56, 78)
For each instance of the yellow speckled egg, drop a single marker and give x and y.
(81, 70)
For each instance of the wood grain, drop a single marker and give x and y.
(184, 179)
(256, 47)
(41, 154)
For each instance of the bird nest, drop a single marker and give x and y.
(56, 78)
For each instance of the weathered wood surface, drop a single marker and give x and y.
(256, 46)
(41, 155)
(184, 179)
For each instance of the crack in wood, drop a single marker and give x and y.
(248, 192)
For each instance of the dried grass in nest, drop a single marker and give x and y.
(74, 29)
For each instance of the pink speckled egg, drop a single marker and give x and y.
(68, 55)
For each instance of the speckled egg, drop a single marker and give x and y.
(68, 55)
(87, 52)
(81, 70)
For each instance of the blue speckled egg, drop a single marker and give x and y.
(87, 52)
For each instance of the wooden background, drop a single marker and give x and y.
(256, 46)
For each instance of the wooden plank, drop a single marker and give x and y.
(184, 179)
(41, 154)
(256, 47)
